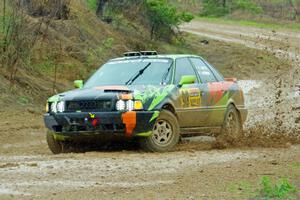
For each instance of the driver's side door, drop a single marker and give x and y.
(189, 105)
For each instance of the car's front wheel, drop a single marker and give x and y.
(56, 147)
(165, 134)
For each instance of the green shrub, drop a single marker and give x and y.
(246, 5)
(163, 17)
(213, 8)
(281, 190)
(218, 8)
(92, 4)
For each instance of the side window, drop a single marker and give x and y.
(183, 68)
(217, 74)
(205, 73)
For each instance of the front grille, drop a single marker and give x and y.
(89, 105)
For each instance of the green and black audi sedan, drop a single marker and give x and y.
(153, 98)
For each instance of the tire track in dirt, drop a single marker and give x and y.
(34, 175)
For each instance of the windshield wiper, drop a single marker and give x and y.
(132, 79)
(166, 75)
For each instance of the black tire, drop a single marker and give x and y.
(165, 134)
(56, 147)
(232, 129)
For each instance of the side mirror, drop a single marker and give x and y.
(187, 80)
(78, 84)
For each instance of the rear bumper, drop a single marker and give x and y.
(79, 124)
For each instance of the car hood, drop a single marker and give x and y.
(151, 96)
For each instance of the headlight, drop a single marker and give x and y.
(138, 105)
(128, 105)
(57, 106)
(53, 107)
(60, 106)
(120, 105)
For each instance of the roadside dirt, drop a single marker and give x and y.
(195, 170)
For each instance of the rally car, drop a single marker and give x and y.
(156, 99)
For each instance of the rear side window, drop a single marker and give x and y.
(205, 73)
(183, 68)
(216, 73)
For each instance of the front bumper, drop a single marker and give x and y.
(129, 124)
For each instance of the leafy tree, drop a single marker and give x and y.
(214, 8)
(161, 17)
(246, 5)
(164, 18)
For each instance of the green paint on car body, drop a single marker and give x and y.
(144, 134)
(159, 97)
(54, 98)
(59, 137)
(154, 116)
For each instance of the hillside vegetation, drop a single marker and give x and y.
(44, 49)
(267, 11)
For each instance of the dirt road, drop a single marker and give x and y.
(210, 174)
(195, 170)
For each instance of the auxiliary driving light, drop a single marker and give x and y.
(53, 107)
(120, 105)
(129, 105)
(60, 106)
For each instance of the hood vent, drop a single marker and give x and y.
(117, 91)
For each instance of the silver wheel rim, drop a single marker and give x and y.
(162, 133)
(232, 125)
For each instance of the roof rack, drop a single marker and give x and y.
(148, 53)
(132, 53)
(140, 53)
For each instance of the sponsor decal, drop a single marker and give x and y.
(190, 97)
(92, 116)
(154, 116)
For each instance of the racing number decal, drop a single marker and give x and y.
(190, 97)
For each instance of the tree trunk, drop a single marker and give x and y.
(224, 3)
(296, 11)
(100, 8)
(152, 32)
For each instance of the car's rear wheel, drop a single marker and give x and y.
(165, 134)
(232, 129)
(56, 147)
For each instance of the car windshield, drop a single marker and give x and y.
(132, 72)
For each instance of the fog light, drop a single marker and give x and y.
(53, 107)
(129, 105)
(61, 106)
(120, 105)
